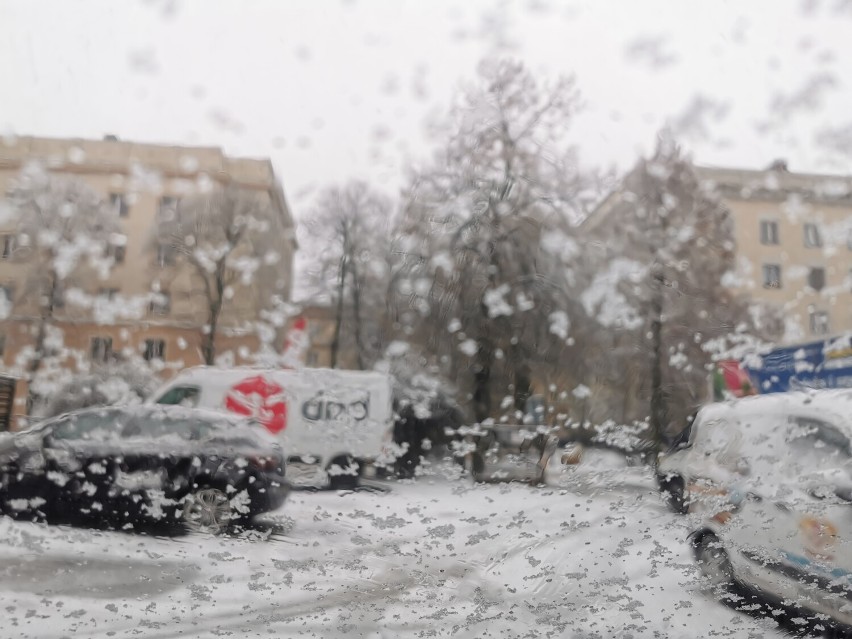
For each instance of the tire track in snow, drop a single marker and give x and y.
(395, 579)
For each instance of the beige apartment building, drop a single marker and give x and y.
(138, 181)
(321, 321)
(793, 235)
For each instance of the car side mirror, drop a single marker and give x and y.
(30, 454)
(572, 457)
(743, 467)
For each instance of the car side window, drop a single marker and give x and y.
(181, 396)
(818, 441)
(156, 426)
(97, 426)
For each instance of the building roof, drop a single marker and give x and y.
(114, 155)
(111, 155)
(774, 183)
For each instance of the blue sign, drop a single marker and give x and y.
(822, 364)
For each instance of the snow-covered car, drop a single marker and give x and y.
(786, 530)
(507, 452)
(727, 441)
(142, 464)
(579, 466)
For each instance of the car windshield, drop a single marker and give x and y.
(762, 445)
(425, 318)
(180, 396)
(818, 444)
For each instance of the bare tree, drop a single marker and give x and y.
(228, 238)
(658, 286)
(115, 383)
(483, 233)
(348, 234)
(63, 229)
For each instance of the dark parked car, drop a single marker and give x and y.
(141, 465)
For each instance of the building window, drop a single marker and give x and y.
(849, 240)
(819, 322)
(58, 295)
(108, 294)
(117, 252)
(768, 232)
(771, 276)
(160, 304)
(118, 203)
(168, 205)
(816, 278)
(7, 246)
(312, 358)
(166, 255)
(2, 345)
(7, 291)
(101, 350)
(812, 236)
(154, 349)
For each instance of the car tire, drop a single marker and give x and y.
(838, 632)
(208, 510)
(713, 560)
(674, 491)
(477, 466)
(344, 482)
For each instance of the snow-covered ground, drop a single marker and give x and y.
(432, 557)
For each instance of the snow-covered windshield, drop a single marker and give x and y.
(400, 318)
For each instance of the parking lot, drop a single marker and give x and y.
(435, 556)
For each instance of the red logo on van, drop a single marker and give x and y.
(260, 398)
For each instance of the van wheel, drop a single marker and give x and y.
(350, 476)
(674, 491)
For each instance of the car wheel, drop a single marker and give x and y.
(713, 560)
(207, 510)
(838, 633)
(346, 480)
(675, 494)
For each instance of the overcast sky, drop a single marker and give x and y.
(333, 90)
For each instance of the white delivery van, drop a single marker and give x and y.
(331, 423)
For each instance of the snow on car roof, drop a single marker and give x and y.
(203, 373)
(834, 405)
(144, 410)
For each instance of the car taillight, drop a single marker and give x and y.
(722, 517)
(265, 462)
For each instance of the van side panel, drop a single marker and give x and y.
(314, 412)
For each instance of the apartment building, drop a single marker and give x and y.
(149, 303)
(793, 233)
(793, 236)
(321, 321)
